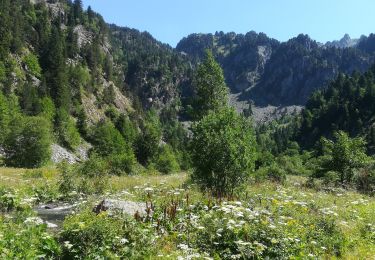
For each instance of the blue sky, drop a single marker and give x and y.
(171, 20)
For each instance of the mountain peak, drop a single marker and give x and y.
(344, 42)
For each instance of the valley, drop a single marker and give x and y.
(115, 145)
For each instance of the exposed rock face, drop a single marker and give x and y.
(60, 154)
(268, 72)
(345, 42)
(269, 113)
(83, 36)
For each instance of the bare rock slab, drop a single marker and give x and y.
(127, 207)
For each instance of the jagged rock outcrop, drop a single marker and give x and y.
(344, 42)
(268, 72)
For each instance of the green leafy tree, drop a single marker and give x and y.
(343, 156)
(211, 92)
(47, 108)
(147, 144)
(107, 140)
(166, 161)
(223, 151)
(28, 144)
(66, 129)
(127, 129)
(4, 117)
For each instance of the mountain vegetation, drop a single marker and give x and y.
(90, 110)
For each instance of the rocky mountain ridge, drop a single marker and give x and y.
(269, 72)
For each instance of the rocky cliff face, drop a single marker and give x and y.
(345, 42)
(281, 74)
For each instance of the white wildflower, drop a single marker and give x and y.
(68, 245)
(183, 247)
(123, 241)
(34, 221)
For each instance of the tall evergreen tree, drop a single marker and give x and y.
(211, 92)
(78, 11)
(5, 28)
(56, 69)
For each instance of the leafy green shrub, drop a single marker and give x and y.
(66, 129)
(92, 236)
(32, 64)
(107, 140)
(223, 151)
(46, 193)
(119, 164)
(26, 237)
(147, 143)
(331, 178)
(5, 117)
(94, 173)
(127, 129)
(274, 172)
(8, 200)
(47, 108)
(166, 162)
(344, 156)
(68, 179)
(28, 144)
(365, 179)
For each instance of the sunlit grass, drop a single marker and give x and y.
(352, 211)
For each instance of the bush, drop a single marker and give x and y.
(365, 179)
(68, 179)
(223, 151)
(127, 129)
(26, 237)
(274, 173)
(166, 162)
(94, 173)
(8, 200)
(32, 64)
(344, 156)
(92, 236)
(28, 144)
(120, 164)
(147, 143)
(66, 130)
(331, 178)
(107, 140)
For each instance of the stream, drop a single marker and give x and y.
(55, 213)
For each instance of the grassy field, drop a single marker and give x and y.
(265, 220)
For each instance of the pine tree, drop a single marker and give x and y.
(90, 14)
(56, 70)
(78, 11)
(5, 28)
(211, 92)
